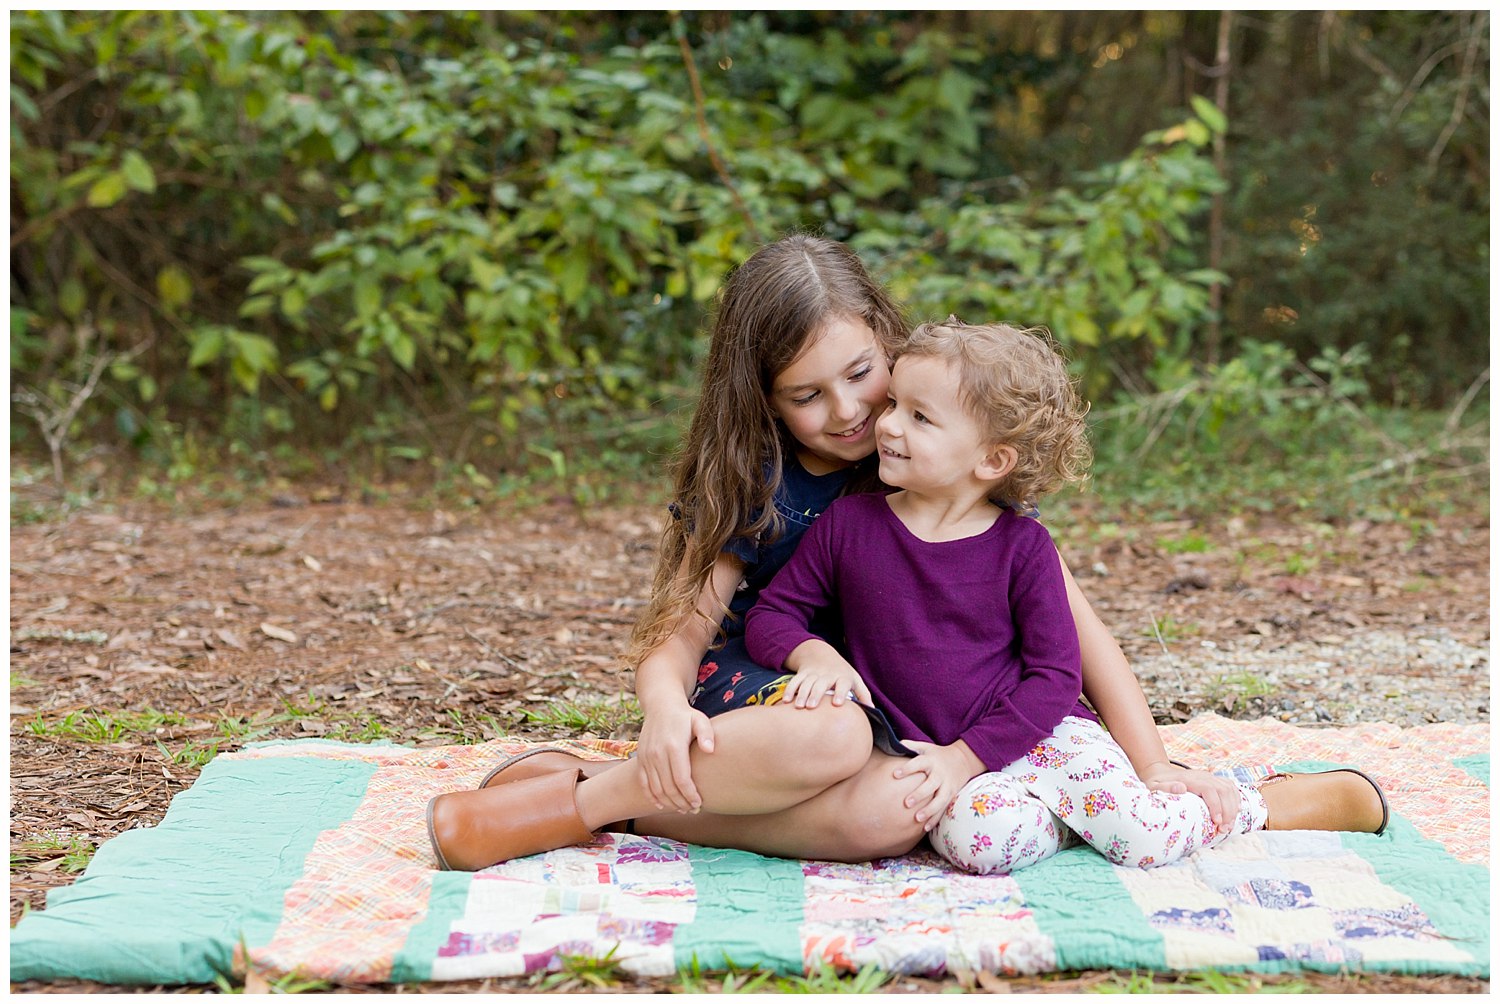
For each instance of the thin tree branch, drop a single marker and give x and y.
(713, 154)
(46, 102)
(1221, 165)
(1466, 80)
(1421, 75)
(1457, 414)
(1361, 53)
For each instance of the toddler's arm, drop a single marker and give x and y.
(1112, 689)
(1050, 679)
(778, 626)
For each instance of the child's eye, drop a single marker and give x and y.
(799, 401)
(917, 416)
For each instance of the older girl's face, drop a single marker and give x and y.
(831, 395)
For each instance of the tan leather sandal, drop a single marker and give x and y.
(544, 760)
(1336, 799)
(471, 830)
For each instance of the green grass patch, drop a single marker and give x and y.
(75, 853)
(1192, 543)
(582, 972)
(1238, 685)
(826, 980)
(103, 727)
(361, 727)
(600, 716)
(1260, 434)
(193, 754)
(465, 731)
(1168, 629)
(1208, 981)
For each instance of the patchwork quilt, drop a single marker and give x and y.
(311, 857)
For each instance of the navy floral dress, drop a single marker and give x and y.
(728, 678)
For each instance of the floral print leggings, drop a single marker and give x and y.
(1078, 784)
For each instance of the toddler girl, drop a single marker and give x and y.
(958, 626)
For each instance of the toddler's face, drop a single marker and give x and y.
(831, 395)
(928, 440)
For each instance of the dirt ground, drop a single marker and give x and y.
(143, 640)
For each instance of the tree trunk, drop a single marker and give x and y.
(1216, 213)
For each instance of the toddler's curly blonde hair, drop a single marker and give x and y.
(1015, 383)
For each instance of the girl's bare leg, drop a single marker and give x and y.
(858, 819)
(765, 760)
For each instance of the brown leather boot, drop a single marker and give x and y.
(536, 762)
(475, 829)
(1341, 799)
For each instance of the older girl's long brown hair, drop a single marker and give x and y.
(729, 465)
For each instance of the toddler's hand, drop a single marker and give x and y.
(830, 674)
(948, 768)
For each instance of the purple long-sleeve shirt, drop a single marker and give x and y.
(966, 639)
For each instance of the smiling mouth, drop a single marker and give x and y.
(886, 451)
(852, 433)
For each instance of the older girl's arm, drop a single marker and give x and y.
(663, 682)
(1115, 693)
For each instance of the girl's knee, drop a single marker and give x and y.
(1151, 829)
(870, 820)
(830, 742)
(869, 839)
(994, 825)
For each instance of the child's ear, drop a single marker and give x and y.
(996, 464)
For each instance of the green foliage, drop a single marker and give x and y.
(1108, 263)
(488, 239)
(1265, 431)
(502, 236)
(1381, 234)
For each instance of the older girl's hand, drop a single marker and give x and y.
(667, 772)
(948, 768)
(1220, 794)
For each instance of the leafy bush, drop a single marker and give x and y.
(497, 233)
(493, 237)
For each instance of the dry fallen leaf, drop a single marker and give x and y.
(231, 639)
(279, 633)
